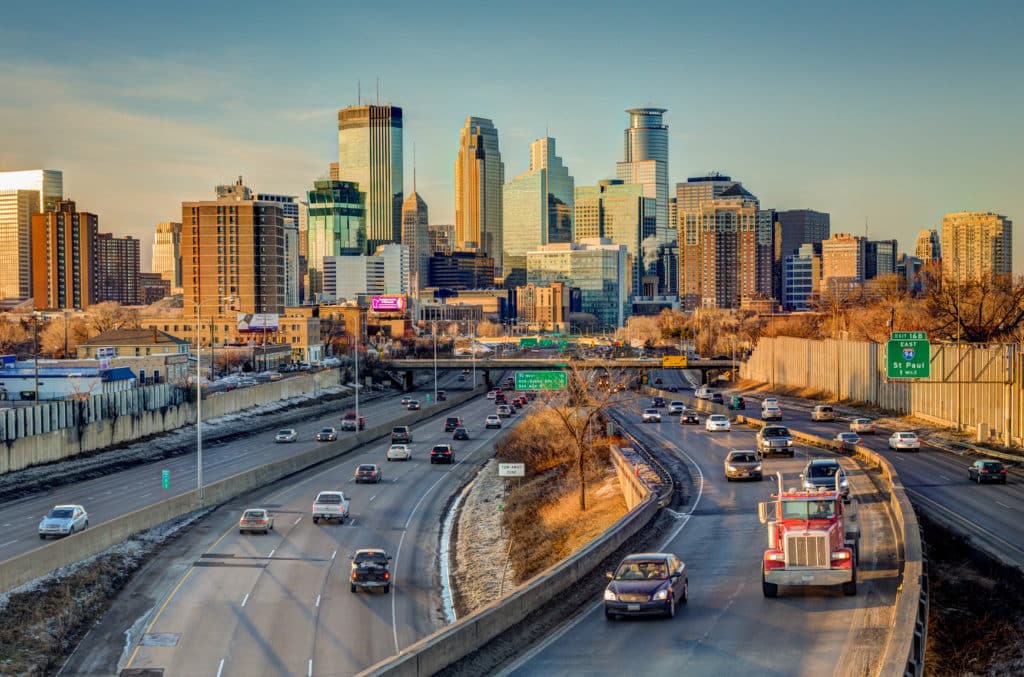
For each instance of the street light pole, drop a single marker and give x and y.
(472, 352)
(199, 398)
(355, 353)
(35, 354)
(435, 360)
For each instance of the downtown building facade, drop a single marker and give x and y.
(441, 239)
(801, 277)
(600, 269)
(928, 247)
(415, 220)
(336, 226)
(370, 155)
(843, 259)
(166, 261)
(479, 185)
(462, 269)
(622, 214)
(23, 194)
(63, 257)
(116, 277)
(294, 252)
(233, 246)
(880, 258)
(544, 308)
(976, 246)
(645, 162)
(537, 209)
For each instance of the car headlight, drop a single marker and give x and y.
(789, 443)
(730, 468)
(844, 483)
(661, 594)
(757, 468)
(609, 596)
(807, 484)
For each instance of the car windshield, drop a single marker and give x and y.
(328, 498)
(640, 571)
(743, 458)
(253, 515)
(440, 447)
(803, 510)
(651, 411)
(822, 471)
(718, 418)
(460, 430)
(327, 430)
(373, 559)
(775, 432)
(908, 436)
(367, 468)
(284, 432)
(992, 466)
(61, 513)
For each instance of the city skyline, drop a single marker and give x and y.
(866, 129)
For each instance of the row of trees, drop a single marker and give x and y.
(59, 337)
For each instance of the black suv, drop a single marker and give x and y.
(658, 401)
(451, 423)
(370, 570)
(401, 434)
(441, 453)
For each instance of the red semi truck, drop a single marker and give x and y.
(812, 540)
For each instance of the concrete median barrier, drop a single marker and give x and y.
(49, 557)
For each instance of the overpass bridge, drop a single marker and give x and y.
(499, 364)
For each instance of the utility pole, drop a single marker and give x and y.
(35, 352)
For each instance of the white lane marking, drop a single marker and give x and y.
(245, 599)
(8, 543)
(297, 521)
(109, 492)
(309, 670)
(941, 476)
(394, 622)
(146, 494)
(1004, 505)
(8, 524)
(318, 601)
(91, 498)
(271, 553)
(371, 498)
(220, 668)
(31, 517)
(334, 554)
(352, 522)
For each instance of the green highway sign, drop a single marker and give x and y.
(546, 343)
(165, 479)
(908, 355)
(527, 343)
(541, 380)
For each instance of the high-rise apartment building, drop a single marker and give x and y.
(49, 183)
(879, 258)
(166, 260)
(336, 227)
(233, 246)
(623, 214)
(537, 209)
(63, 265)
(415, 221)
(599, 268)
(441, 239)
(290, 208)
(153, 287)
(843, 261)
(976, 246)
(370, 154)
(117, 270)
(479, 182)
(927, 248)
(17, 207)
(668, 269)
(645, 161)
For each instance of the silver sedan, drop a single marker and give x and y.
(63, 520)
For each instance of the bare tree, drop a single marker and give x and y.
(13, 336)
(111, 315)
(487, 329)
(978, 311)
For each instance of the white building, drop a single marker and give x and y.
(397, 267)
(22, 194)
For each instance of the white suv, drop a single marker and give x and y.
(399, 452)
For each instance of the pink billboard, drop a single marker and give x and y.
(388, 304)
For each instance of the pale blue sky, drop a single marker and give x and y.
(891, 112)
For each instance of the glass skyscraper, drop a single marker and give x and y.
(337, 227)
(370, 155)
(598, 268)
(646, 162)
(479, 181)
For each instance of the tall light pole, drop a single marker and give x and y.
(959, 357)
(434, 330)
(472, 351)
(35, 352)
(775, 338)
(355, 359)
(199, 396)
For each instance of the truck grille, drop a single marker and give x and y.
(807, 551)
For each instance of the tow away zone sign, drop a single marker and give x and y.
(511, 469)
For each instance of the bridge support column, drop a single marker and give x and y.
(408, 385)
(487, 378)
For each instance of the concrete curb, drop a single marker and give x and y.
(47, 558)
(439, 650)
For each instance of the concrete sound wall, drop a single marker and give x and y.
(55, 554)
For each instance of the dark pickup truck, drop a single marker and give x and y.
(370, 570)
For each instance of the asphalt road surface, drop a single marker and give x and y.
(728, 626)
(122, 492)
(280, 604)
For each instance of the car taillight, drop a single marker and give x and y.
(984, 470)
(353, 575)
(1003, 471)
(387, 575)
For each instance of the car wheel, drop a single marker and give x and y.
(316, 520)
(241, 532)
(387, 588)
(353, 588)
(86, 525)
(850, 588)
(728, 479)
(609, 615)
(769, 589)
(671, 613)
(686, 591)
(42, 537)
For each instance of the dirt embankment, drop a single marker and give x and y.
(508, 534)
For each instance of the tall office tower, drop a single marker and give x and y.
(479, 182)
(63, 268)
(646, 161)
(397, 266)
(303, 242)
(668, 269)
(49, 183)
(842, 261)
(801, 277)
(537, 209)
(370, 154)
(414, 236)
(673, 217)
(802, 225)
(768, 225)
(290, 207)
(599, 268)
(927, 247)
(166, 260)
(232, 246)
(879, 258)
(16, 209)
(976, 246)
(462, 269)
(441, 238)
(622, 213)
(117, 269)
(689, 197)
(337, 227)
(333, 171)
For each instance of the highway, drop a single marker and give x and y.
(122, 492)
(935, 479)
(728, 627)
(280, 604)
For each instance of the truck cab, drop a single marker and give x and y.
(812, 540)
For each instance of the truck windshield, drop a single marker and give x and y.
(804, 510)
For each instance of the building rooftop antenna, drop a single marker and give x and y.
(359, 93)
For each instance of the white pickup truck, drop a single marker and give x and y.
(330, 505)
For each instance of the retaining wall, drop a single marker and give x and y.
(46, 558)
(53, 431)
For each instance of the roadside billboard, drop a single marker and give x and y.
(391, 303)
(257, 322)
